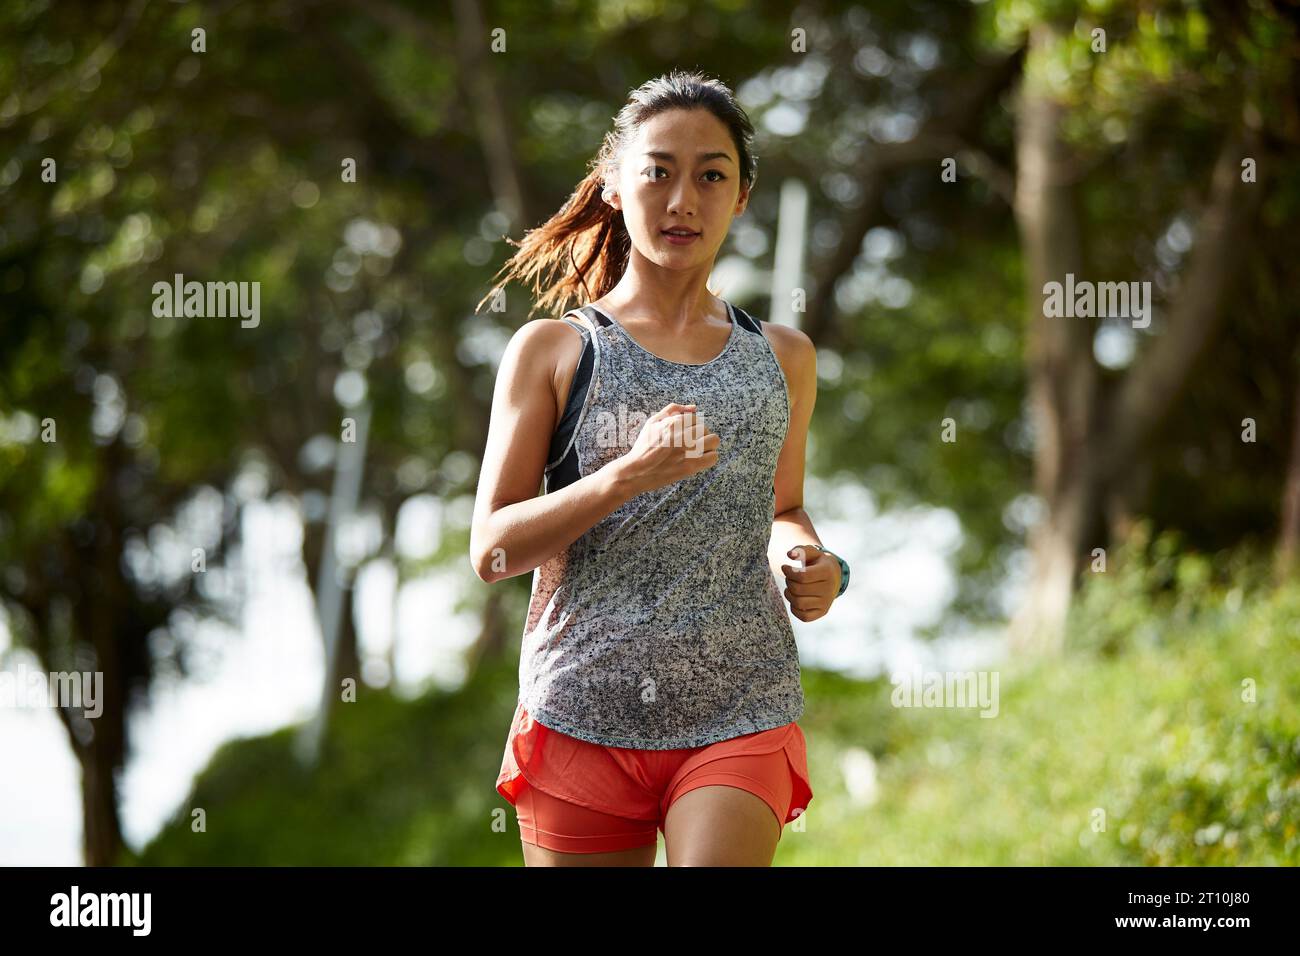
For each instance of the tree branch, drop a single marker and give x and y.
(1157, 378)
(946, 133)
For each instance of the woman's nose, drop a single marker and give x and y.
(682, 202)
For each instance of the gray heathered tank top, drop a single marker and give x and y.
(662, 626)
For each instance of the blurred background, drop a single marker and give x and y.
(228, 519)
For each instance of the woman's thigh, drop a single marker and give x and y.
(729, 811)
(720, 825)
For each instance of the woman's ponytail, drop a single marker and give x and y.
(583, 249)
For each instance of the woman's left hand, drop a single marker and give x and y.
(812, 590)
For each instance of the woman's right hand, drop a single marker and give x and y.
(672, 444)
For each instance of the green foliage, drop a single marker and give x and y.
(1149, 726)
(1149, 588)
(401, 783)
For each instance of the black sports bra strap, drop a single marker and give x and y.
(746, 320)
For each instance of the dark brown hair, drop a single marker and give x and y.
(587, 239)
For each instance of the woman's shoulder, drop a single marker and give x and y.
(785, 336)
(544, 335)
(788, 340)
(544, 349)
(793, 349)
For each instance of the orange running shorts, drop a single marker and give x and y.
(573, 796)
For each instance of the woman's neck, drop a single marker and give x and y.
(677, 308)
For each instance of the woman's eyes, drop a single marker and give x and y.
(654, 170)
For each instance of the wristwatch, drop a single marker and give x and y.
(844, 567)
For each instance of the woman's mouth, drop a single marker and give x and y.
(680, 237)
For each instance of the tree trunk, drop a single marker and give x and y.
(101, 827)
(1125, 493)
(1062, 373)
(491, 640)
(1289, 536)
(347, 662)
(104, 617)
(347, 656)
(1084, 448)
(494, 129)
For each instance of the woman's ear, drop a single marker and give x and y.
(611, 196)
(742, 201)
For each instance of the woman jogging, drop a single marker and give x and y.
(659, 679)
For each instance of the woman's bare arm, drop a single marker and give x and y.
(514, 528)
(798, 358)
(811, 591)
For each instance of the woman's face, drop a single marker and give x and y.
(693, 180)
